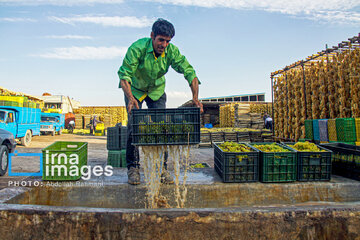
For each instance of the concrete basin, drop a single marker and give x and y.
(214, 210)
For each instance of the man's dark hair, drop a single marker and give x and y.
(164, 28)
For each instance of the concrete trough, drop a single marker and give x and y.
(214, 210)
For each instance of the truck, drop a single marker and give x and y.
(52, 123)
(7, 145)
(22, 122)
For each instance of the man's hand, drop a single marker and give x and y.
(198, 104)
(131, 104)
(195, 92)
(127, 91)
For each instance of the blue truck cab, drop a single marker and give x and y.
(22, 122)
(52, 123)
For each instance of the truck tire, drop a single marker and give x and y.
(25, 141)
(4, 159)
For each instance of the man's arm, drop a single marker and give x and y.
(126, 72)
(125, 85)
(181, 65)
(195, 92)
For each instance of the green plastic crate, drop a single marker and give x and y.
(67, 149)
(237, 166)
(277, 166)
(345, 130)
(309, 129)
(117, 158)
(313, 166)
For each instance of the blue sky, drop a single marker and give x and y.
(75, 48)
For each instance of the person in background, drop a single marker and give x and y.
(71, 126)
(268, 122)
(264, 117)
(94, 123)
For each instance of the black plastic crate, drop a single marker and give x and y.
(237, 166)
(172, 126)
(346, 159)
(313, 166)
(277, 166)
(116, 138)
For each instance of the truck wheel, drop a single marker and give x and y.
(25, 141)
(4, 159)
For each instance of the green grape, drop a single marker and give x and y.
(234, 147)
(306, 147)
(270, 148)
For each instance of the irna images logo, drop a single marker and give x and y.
(61, 166)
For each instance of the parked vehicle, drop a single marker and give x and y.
(7, 145)
(22, 122)
(52, 123)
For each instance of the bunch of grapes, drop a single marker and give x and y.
(270, 148)
(306, 147)
(234, 147)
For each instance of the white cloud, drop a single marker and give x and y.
(284, 6)
(107, 21)
(68, 37)
(17, 20)
(84, 53)
(317, 10)
(177, 94)
(59, 2)
(336, 17)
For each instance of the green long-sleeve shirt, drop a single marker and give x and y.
(146, 73)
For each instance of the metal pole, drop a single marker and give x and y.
(304, 81)
(287, 97)
(272, 103)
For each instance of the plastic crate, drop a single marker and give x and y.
(313, 166)
(309, 129)
(316, 132)
(357, 126)
(66, 148)
(116, 138)
(237, 166)
(277, 166)
(345, 130)
(346, 160)
(99, 133)
(19, 99)
(172, 126)
(332, 130)
(323, 130)
(117, 158)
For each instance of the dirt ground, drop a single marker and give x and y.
(97, 152)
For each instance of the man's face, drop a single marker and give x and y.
(160, 43)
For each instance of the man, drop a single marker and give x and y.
(71, 126)
(142, 79)
(268, 123)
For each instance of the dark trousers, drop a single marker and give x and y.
(132, 153)
(269, 125)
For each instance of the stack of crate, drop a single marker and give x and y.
(18, 101)
(79, 121)
(116, 146)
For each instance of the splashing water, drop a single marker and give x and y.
(153, 168)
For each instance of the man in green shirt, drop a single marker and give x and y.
(142, 78)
